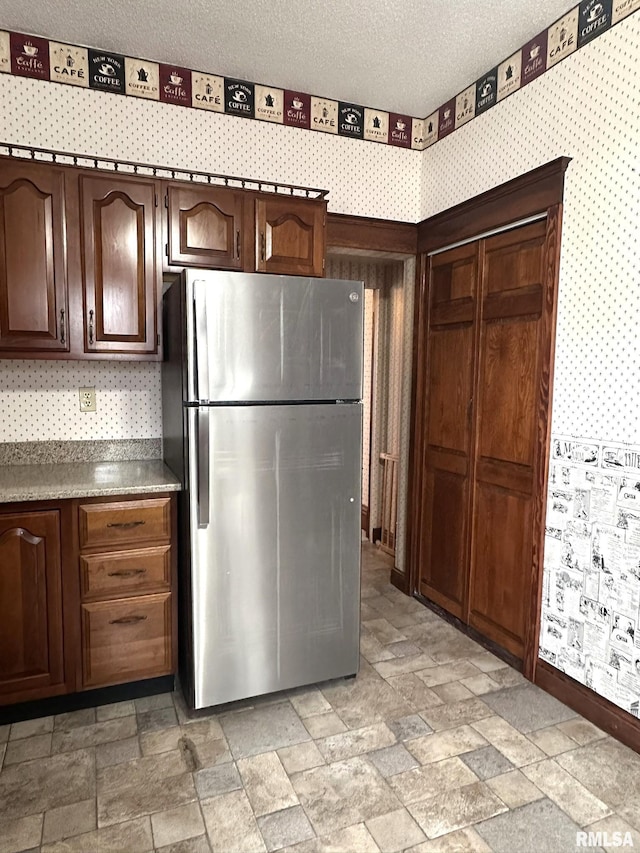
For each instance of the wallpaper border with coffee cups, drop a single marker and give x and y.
(37, 57)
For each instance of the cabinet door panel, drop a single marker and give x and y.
(205, 227)
(31, 648)
(120, 268)
(119, 523)
(126, 640)
(125, 573)
(33, 267)
(290, 236)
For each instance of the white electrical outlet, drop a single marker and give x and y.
(87, 399)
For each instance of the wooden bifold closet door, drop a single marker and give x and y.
(447, 468)
(489, 345)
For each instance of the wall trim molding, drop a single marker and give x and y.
(595, 708)
(399, 580)
(534, 192)
(367, 234)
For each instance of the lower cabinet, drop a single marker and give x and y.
(126, 590)
(86, 604)
(31, 613)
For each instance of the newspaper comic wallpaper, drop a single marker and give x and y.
(591, 594)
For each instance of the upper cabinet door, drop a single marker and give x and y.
(205, 227)
(34, 312)
(120, 265)
(290, 236)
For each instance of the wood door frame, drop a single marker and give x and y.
(538, 192)
(370, 238)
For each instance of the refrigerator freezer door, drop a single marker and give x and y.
(276, 570)
(271, 338)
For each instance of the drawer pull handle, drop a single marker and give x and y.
(126, 573)
(125, 525)
(127, 620)
(91, 336)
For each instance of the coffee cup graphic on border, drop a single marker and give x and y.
(297, 104)
(351, 118)
(486, 90)
(595, 12)
(400, 125)
(239, 96)
(107, 70)
(30, 49)
(535, 50)
(447, 113)
(176, 79)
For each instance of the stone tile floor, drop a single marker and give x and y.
(436, 746)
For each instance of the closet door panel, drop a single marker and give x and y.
(444, 527)
(506, 459)
(502, 539)
(507, 391)
(450, 385)
(445, 550)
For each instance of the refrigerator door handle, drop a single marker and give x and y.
(202, 431)
(202, 343)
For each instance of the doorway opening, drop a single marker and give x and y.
(388, 329)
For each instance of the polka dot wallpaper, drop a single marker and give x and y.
(362, 179)
(588, 108)
(39, 400)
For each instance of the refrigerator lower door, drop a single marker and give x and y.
(275, 547)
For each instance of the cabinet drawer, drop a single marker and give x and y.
(126, 640)
(124, 522)
(126, 573)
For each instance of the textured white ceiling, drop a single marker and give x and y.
(407, 55)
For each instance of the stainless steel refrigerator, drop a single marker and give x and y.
(262, 385)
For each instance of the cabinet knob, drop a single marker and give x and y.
(91, 336)
(62, 330)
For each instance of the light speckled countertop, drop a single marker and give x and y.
(61, 480)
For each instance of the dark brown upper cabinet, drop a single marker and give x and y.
(34, 311)
(82, 253)
(205, 227)
(119, 243)
(290, 235)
